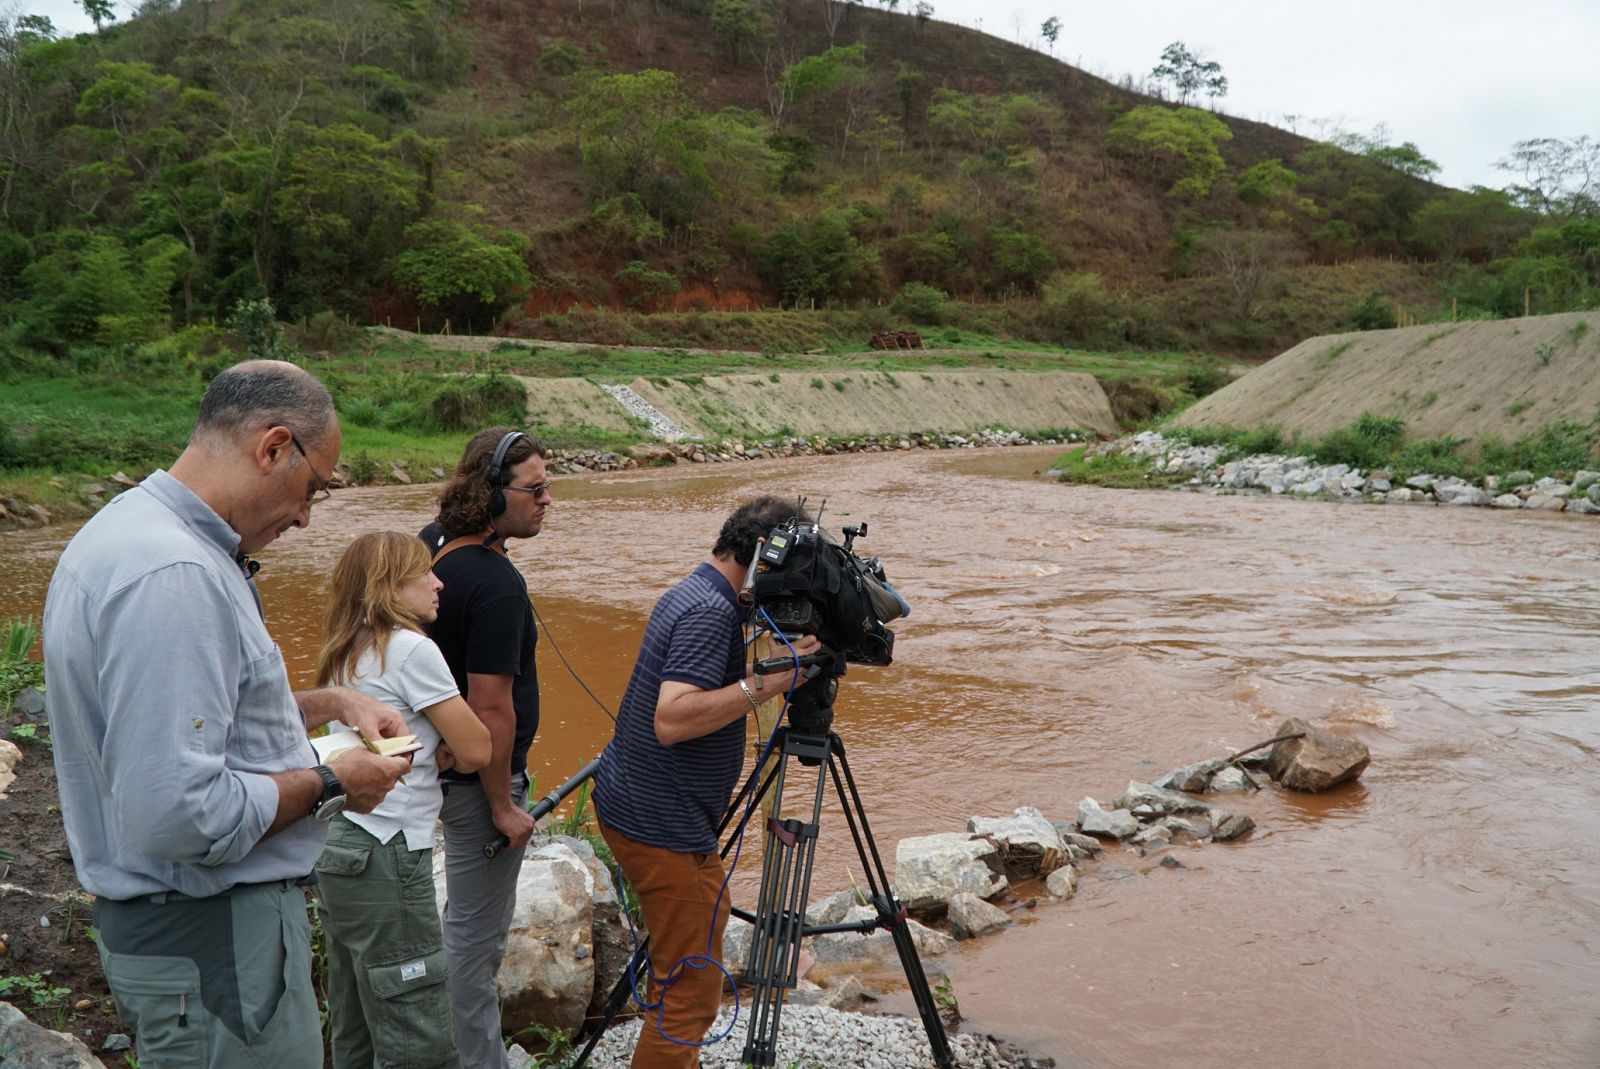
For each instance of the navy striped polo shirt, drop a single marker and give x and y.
(672, 797)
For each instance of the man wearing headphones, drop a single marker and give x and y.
(485, 629)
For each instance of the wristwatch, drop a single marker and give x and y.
(332, 800)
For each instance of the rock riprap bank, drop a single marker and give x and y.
(1214, 467)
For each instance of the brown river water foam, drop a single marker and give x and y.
(1442, 912)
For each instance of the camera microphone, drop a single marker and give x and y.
(747, 594)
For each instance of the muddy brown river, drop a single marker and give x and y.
(1443, 912)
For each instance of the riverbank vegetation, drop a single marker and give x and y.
(1370, 443)
(69, 420)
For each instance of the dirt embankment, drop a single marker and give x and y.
(837, 402)
(1502, 379)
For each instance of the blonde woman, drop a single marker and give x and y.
(388, 1003)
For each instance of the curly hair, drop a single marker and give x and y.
(464, 501)
(749, 522)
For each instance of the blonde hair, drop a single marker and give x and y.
(364, 606)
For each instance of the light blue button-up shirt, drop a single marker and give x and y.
(169, 703)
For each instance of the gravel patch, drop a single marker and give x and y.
(637, 406)
(817, 1037)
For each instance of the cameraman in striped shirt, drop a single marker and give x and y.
(668, 774)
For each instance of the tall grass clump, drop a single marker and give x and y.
(1367, 443)
(17, 671)
(1563, 447)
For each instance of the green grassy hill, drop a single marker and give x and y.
(533, 166)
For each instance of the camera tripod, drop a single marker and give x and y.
(779, 922)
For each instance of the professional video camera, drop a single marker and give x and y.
(804, 583)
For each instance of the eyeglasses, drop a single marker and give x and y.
(536, 491)
(319, 490)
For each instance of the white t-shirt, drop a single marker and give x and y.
(414, 677)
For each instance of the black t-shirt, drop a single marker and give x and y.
(486, 627)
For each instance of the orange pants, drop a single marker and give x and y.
(678, 895)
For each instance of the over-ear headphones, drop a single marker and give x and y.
(497, 497)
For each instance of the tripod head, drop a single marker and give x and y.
(811, 704)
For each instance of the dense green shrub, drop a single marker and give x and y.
(469, 403)
(919, 302)
(1374, 312)
(1367, 443)
(1203, 375)
(255, 325)
(1076, 307)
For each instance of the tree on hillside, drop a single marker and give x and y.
(1560, 178)
(1050, 30)
(832, 88)
(736, 23)
(1176, 144)
(449, 267)
(347, 197)
(1249, 263)
(833, 13)
(1189, 73)
(100, 12)
(1478, 225)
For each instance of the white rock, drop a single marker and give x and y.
(1061, 883)
(1117, 824)
(1026, 836)
(931, 869)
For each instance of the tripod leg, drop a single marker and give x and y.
(790, 851)
(891, 914)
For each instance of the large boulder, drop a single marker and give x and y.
(10, 758)
(929, 870)
(1025, 838)
(27, 1046)
(833, 949)
(971, 916)
(1146, 798)
(1116, 824)
(1317, 761)
(1226, 826)
(652, 456)
(1193, 778)
(1061, 883)
(547, 977)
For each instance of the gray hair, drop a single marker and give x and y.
(258, 394)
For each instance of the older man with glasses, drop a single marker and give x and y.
(187, 783)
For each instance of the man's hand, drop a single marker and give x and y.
(357, 710)
(516, 824)
(444, 757)
(779, 683)
(368, 715)
(367, 777)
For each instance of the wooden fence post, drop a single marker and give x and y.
(1527, 302)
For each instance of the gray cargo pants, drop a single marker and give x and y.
(214, 983)
(480, 894)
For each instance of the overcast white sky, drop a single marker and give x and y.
(1464, 79)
